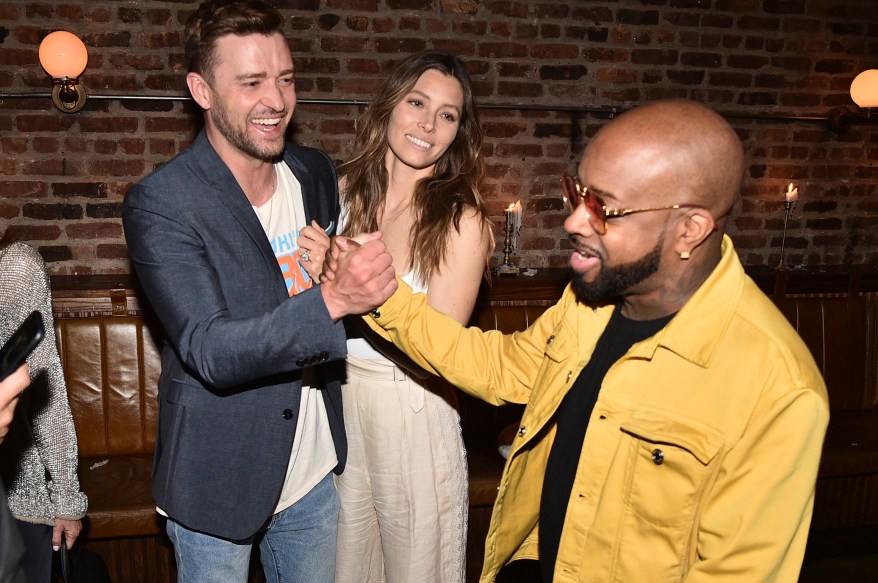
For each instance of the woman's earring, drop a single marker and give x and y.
(684, 255)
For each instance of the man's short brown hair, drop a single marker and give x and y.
(217, 18)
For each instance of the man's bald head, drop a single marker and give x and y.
(684, 151)
(671, 171)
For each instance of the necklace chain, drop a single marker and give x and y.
(271, 194)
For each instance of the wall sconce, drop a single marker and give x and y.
(864, 92)
(864, 89)
(64, 57)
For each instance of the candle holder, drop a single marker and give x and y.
(789, 205)
(512, 225)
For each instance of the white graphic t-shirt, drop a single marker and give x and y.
(313, 454)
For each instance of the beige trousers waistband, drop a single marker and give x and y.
(387, 372)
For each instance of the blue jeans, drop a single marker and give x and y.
(297, 546)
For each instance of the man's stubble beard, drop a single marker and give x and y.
(240, 139)
(613, 282)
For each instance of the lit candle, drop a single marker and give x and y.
(513, 214)
(792, 193)
(513, 219)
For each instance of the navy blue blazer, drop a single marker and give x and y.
(236, 343)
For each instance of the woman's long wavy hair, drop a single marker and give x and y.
(439, 200)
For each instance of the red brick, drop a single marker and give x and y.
(509, 9)
(73, 189)
(469, 7)
(344, 127)
(354, 5)
(51, 212)
(116, 167)
(654, 56)
(44, 123)
(423, 5)
(9, 167)
(133, 146)
(110, 251)
(14, 145)
(9, 11)
(345, 45)
(50, 167)
(44, 145)
(554, 51)
(604, 55)
(502, 50)
(168, 124)
(616, 76)
(30, 232)
(52, 253)
(511, 88)
(457, 47)
(470, 27)
(317, 65)
(114, 125)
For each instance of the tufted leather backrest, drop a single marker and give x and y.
(112, 365)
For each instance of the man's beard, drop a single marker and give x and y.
(613, 282)
(240, 139)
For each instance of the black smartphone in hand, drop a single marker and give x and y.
(22, 342)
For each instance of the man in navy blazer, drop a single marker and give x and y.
(250, 417)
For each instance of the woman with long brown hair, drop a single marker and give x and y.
(413, 176)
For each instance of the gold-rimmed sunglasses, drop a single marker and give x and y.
(597, 212)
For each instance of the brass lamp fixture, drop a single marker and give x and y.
(64, 57)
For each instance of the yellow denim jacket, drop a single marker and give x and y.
(701, 454)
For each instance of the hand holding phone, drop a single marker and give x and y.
(22, 342)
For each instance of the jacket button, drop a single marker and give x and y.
(376, 313)
(521, 431)
(300, 363)
(551, 339)
(569, 375)
(658, 457)
(288, 414)
(324, 356)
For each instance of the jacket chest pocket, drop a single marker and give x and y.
(671, 464)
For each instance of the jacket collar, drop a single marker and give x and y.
(698, 328)
(228, 192)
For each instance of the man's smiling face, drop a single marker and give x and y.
(252, 93)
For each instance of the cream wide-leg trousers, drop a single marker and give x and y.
(403, 492)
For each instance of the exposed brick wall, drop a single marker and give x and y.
(63, 177)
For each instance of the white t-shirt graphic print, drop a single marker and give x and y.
(313, 453)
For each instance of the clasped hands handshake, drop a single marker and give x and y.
(356, 273)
